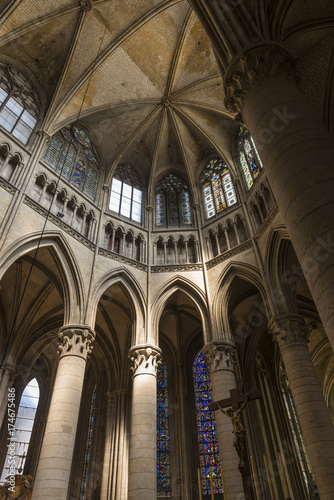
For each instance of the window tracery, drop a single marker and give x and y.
(249, 157)
(126, 193)
(206, 427)
(72, 153)
(173, 202)
(19, 106)
(217, 188)
(163, 458)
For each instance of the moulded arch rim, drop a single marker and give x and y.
(191, 290)
(69, 271)
(7, 146)
(234, 269)
(130, 286)
(276, 235)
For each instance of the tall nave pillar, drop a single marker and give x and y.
(220, 357)
(143, 434)
(289, 331)
(297, 154)
(55, 461)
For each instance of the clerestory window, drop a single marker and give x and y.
(19, 108)
(126, 193)
(249, 157)
(173, 202)
(217, 188)
(71, 153)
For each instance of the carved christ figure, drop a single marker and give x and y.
(239, 431)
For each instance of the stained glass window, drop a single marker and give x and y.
(206, 427)
(18, 104)
(24, 423)
(249, 157)
(72, 153)
(173, 202)
(126, 193)
(217, 188)
(163, 459)
(88, 446)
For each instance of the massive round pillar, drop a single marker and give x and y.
(313, 415)
(54, 466)
(143, 434)
(220, 357)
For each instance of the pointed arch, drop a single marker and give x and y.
(69, 270)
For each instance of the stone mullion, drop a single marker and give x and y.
(220, 357)
(143, 431)
(313, 414)
(53, 471)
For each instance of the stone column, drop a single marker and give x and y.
(297, 154)
(54, 466)
(289, 331)
(143, 433)
(108, 448)
(220, 357)
(8, 374)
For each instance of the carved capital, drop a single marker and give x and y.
(219, 355)
(75, 340)
(288, 330)
(10, 370)
(145, 359)
(257, 63)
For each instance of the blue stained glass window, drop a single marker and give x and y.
(88, 447)
(163, 459)
(72, 153)
(206, 427)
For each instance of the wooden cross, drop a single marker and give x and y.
(235, 399)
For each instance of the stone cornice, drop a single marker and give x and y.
(266, 223)
(256, 64)
(288, 330)
(220, 355)
(230, 253)
(62, 225)
(144, 359)
(75, 340)
(123, 259)
(176, 268)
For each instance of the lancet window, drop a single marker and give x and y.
(126, 193)
(217, 188)
(23, 426)
(163, 457)
(249, 157)
(19, 108)
(173, 202)
(206, 428)
(72, 154)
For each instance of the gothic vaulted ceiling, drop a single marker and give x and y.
(141, 75)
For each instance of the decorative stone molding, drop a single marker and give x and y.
(288, 330)
(230, 253)
(10, 369)
(62, 225)
(257, 63)
(177, 268)
(123, 259)
(85, 5)
(266, 223)
(7, 186)
(144, 359)
(75, 340)
(219, 355)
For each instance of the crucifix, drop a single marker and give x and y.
(232, 409)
